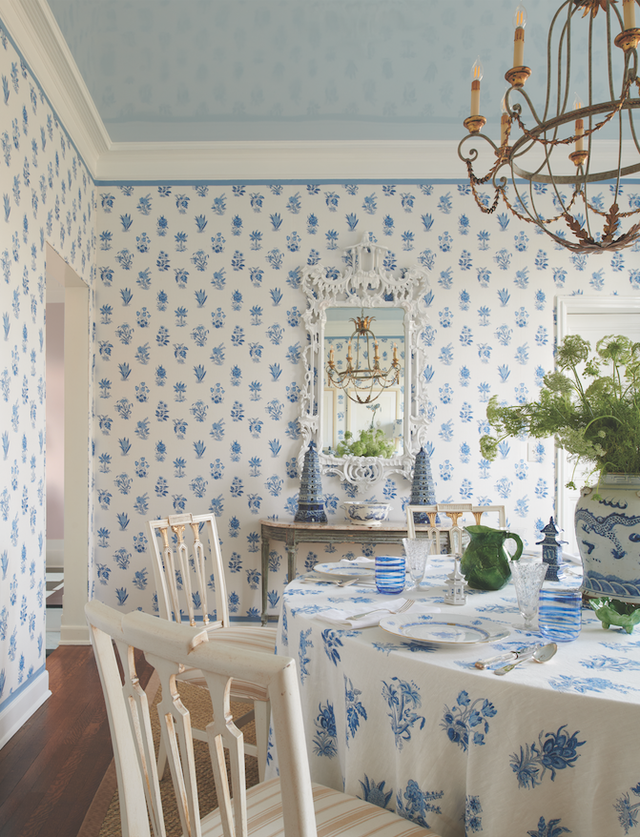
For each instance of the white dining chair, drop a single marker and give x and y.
(187, 562)
(479, 511)
(290, 805)
(433, 532)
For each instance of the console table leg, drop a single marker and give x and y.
(265, 578)
(292, 549)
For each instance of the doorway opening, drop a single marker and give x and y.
(592, 318)
(68, 434)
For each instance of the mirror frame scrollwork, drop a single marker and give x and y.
(360, 287)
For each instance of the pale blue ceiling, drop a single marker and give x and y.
(187, 70)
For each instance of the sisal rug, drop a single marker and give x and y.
(103, 818)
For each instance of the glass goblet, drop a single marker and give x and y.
(528, 577)
(416, 553)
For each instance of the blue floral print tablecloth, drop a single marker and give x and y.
(547, 750)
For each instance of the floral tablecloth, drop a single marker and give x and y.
(547, 750)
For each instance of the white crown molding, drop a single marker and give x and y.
(37, 35)
(388, 160)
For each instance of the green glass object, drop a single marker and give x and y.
(485, 562)
(614, 612)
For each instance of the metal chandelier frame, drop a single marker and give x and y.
(530, 158)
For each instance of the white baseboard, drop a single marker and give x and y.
(74, 634)
(16, 713)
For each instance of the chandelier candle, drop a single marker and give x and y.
(579, 126)
(476, 78)
(519, 21)
(629, 11)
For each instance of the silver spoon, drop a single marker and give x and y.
(540, 655)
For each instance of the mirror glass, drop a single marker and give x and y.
(383, 407)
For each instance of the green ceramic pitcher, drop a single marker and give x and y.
(485, 561)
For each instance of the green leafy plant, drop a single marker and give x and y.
(596, 423)
(370, 442)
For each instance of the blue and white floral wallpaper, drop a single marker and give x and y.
(198, 335)
(47, 196)
(199, 340)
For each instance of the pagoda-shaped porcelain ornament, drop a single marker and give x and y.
(552, 551)
(423, 492)
(455, 587)
(310, 502)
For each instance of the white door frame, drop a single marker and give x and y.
(74, 630)
(567, 305)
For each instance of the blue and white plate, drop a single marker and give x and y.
(437, 630)
(345, 570)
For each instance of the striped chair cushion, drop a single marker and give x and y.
(337, 815)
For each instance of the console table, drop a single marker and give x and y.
(294, 533)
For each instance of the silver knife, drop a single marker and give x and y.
(508, 656)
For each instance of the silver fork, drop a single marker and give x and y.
(408, 603)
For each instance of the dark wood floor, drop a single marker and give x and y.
(52, 767)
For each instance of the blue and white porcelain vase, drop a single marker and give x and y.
(310, 500)
(608, 535)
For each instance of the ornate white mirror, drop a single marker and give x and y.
(364, 366)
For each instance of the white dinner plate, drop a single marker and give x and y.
(438, 630)
(338, 570)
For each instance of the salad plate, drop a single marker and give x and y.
(351, 569)
(438, 630)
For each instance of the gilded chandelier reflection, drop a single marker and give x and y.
(585, 223)
(363, 380)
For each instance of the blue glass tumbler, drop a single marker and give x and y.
(390, 574)
(560, 612)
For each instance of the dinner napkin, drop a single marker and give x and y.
(341, 618)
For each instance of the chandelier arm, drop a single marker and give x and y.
(535, 134)
(569, 179)
(617, 192)
(632, 129)
(537, 220)
(610, 69)
(566, 26)
(473, 152)
(496, 196)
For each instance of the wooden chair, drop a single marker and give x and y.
(454, 511)
(289, 805)
(187, 560)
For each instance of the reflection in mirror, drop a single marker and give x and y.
(364, 378)
(334, 408)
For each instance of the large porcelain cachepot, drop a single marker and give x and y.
(608, 535)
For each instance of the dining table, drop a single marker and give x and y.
(403, 716)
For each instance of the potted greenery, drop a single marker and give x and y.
(598, 424)
(371, 441)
